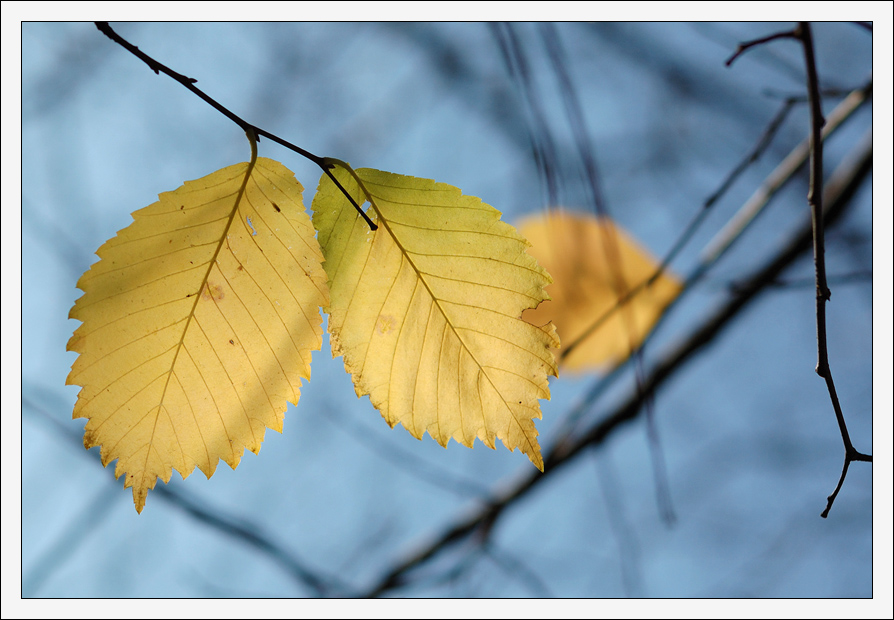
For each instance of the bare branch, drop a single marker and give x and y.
(743, 47)
(780, 176)
(248, 128)
(566, 449)
(746, 214)
(823, 294)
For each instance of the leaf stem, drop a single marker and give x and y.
(190, 84)
(329, 164)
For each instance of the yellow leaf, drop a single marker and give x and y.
(426, 310)
(576, 250)
(198, 325)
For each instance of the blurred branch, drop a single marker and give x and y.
(847, 179)
(780, 176)
(253, 534)
(574, 112)
(406, 461)
(610, 249)
(766, 137)
(515, 567)
(853, 277)
(628, 548)
(724, 239)
(228, 525)
(545, 153)
(77, 532)
(721, 242)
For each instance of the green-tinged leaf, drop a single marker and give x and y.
(426, 310)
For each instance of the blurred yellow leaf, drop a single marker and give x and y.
(426, 310)
(198, 325)
(576, 250)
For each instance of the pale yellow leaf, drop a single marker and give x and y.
(198, 325)
(426, 310)
(593, 262)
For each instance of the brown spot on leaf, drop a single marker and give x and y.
(385, 323)
(276, 206)
(212, 291)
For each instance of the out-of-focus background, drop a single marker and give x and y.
(726, 501)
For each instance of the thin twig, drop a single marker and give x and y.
(823, 294)
(190, 84)
(815, 196)
(575, 113)
(779, 177)
(852, 277)
(836, 182)
(802, 33)
(743, 47)
(407, 461)
(516, 568)
(762, 143)
(746, 214)
(77, 532)
(545, 153)
(612, 255)
(714, 250)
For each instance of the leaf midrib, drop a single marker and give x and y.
(180, 345)
(383, 221)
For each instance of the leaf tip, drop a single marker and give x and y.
(535, 457)
(140, 492)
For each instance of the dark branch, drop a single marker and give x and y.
(783, 172)
(612, 255)
(743, 47)
(190, 84)
(802, 33)
(823, 294)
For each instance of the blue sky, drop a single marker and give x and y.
(748, 437)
